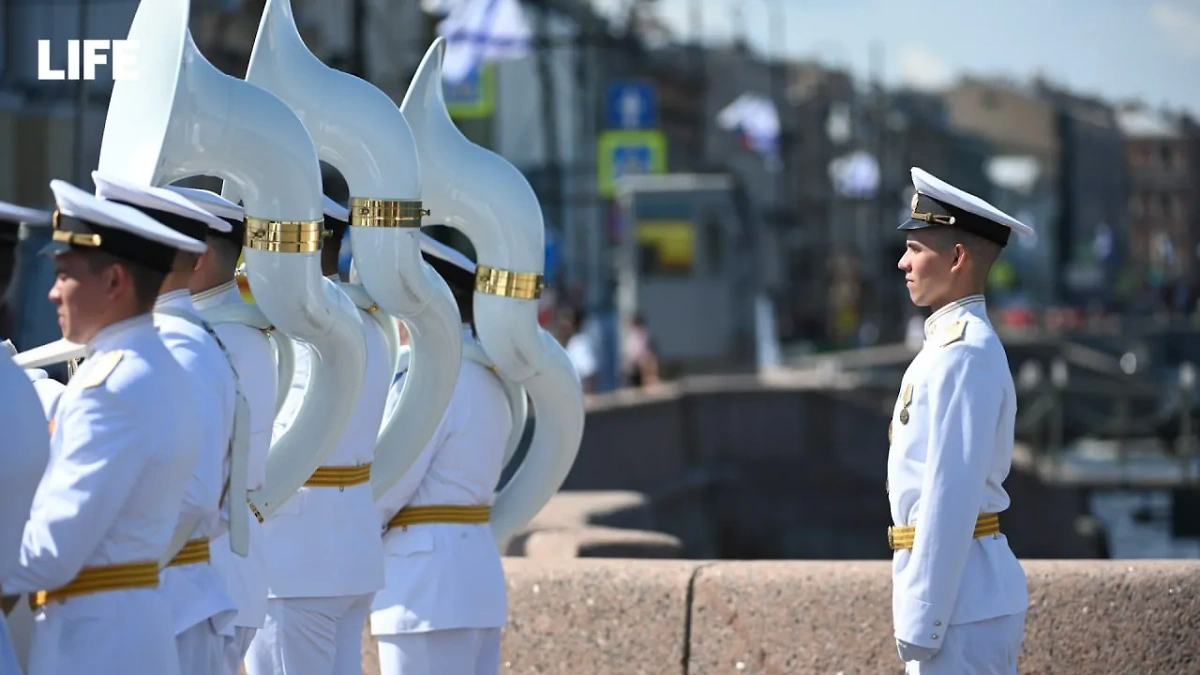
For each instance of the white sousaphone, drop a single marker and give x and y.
(484, 196)
(358, 130)
(182, 117)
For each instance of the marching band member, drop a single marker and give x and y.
(959, 593)
(324, 556)
(26, 451)
(214, 285)
(195, 590)
(445, 601)
(105, 509)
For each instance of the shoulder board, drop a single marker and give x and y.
(104, 365)
(954, 332)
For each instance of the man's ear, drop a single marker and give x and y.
(960, 257)
(113, 276)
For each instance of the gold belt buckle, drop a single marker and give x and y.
(891, 539)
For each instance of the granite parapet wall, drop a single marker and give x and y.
(673, 617)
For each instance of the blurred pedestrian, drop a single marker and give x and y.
(639, 356)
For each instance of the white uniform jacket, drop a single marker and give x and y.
(198, 592)
(445, 576)
(111, 494)
(323, 542)
(254, 361)
(952, 446)
(48, 390)
(26, 451)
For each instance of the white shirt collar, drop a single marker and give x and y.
(971, 304)
(203, 298)
(179, 299)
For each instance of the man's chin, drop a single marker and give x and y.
(917, 299)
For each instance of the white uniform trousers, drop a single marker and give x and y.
(113, 633)
(310, 635)
(988, 647)
(235, 648)
(462, 651)
(201, 650)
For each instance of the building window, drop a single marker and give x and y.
(1168, 206)
(1165, 157)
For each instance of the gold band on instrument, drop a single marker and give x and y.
(368, 212)
(283, 236)
(509, 284)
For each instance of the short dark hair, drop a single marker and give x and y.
(146, 281)
(225, 252)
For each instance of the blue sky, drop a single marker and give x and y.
(1116, 48)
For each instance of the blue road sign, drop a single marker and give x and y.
(631, 104)
(553, 261)
(474, 96)
(628, 152)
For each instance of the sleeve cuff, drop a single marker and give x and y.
(919, 623)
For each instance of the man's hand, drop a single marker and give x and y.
(909, 652)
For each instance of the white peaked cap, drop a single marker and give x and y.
(436, 249)
(11, 213)
(939, 190)
(223, 208)
(79, 204)
(336, 210)
(114, 188)
(211, 202)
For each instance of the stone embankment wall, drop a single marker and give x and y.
(674, 617)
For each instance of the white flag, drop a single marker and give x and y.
(756, 120)
(479, 31)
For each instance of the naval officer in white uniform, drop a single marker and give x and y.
(445, 601)
(324, 556)
(959, 593)
(107, 505)
(26, 451)
(200, 606)
(214, 285)
(47, 388)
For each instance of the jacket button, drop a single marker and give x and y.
(935, 636)
(937, 623)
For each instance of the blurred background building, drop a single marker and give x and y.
(776, 179)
